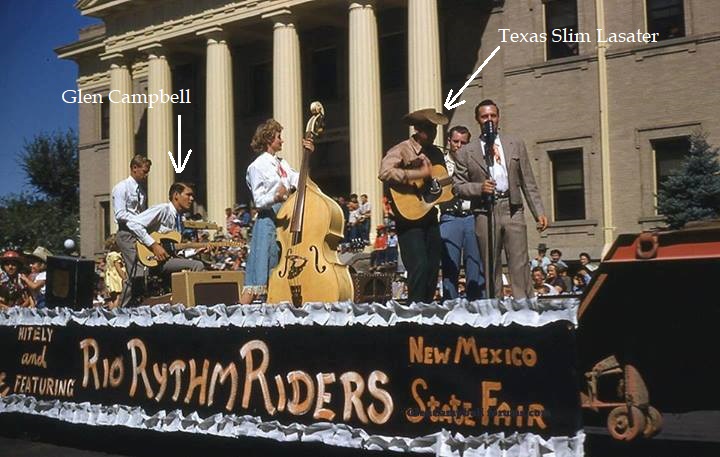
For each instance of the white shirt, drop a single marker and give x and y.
(392, 241)
(128, 199)
(264, 176)
(498, 171)
(365, 209)
(354, 216)
(41, 276)
(161, 218)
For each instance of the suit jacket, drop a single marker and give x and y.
(471, 171)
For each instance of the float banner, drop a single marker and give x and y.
(415, 376)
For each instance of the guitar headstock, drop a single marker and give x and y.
(316, 124)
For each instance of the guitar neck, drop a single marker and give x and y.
(209, 244)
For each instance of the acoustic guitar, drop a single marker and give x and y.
(170, 241)
(415, 199)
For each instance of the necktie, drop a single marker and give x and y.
(498, 157)
(141, 201)
(280, 169)
(178, 223)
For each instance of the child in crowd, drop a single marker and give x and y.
(35, 281)
(115, 274)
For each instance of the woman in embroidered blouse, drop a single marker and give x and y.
(13, 291)
(271, 180)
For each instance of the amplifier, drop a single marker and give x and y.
(70, 282)
(372, 287)
(207, 287)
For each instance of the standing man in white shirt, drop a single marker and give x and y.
(457, 229)
(164, 218)
(509, 178)
(365, 210)
(129, 198)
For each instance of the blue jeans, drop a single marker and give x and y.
(458, 235)
(263, 255)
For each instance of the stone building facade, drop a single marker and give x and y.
(603, 120)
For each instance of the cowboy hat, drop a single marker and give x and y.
(425, 116)
(39, 254)
(12, 256)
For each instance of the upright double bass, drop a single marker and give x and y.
(309, 229)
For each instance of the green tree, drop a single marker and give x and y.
(51, 164)
(52, 167)
(692, 192)
(27, 222)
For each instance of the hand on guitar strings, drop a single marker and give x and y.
(425, 167)
(159, 252)
(281, 194)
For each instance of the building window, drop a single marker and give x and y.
(325, 75)
(669, 154)
(568, 185)
(104, 215)
(261, 94)
(393, 61)
(330, 167)
(561, 24)
(462, 38)
(105, 119)
(666, 18)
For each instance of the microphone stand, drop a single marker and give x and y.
(489, 135)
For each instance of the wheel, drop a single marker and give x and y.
(624, 426)
(654, 422)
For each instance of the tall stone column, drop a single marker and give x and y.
(159, 126)
(219, 126)
(121, 125)
(365, 117)
(424, 75)
(287, 85)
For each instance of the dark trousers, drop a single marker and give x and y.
(420, 248)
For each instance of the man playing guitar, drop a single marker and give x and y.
(164, 218)
(420, 242)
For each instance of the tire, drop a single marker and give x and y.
(654, 423)
(624, 425)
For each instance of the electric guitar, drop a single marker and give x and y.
(414, 200)
(170, 241)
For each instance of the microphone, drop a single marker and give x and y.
(489, 132)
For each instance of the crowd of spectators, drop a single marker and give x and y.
(22, 278)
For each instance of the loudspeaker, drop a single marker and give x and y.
(372, 287)
(207, 287)
(70, 282)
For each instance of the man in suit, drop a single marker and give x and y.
(420, 242)
(509, 177)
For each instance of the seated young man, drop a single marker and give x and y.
(164, 218)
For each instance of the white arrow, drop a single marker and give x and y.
(179, 169)
(450, 102)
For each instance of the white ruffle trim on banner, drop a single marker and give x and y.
(479, 313)
(443, 443)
